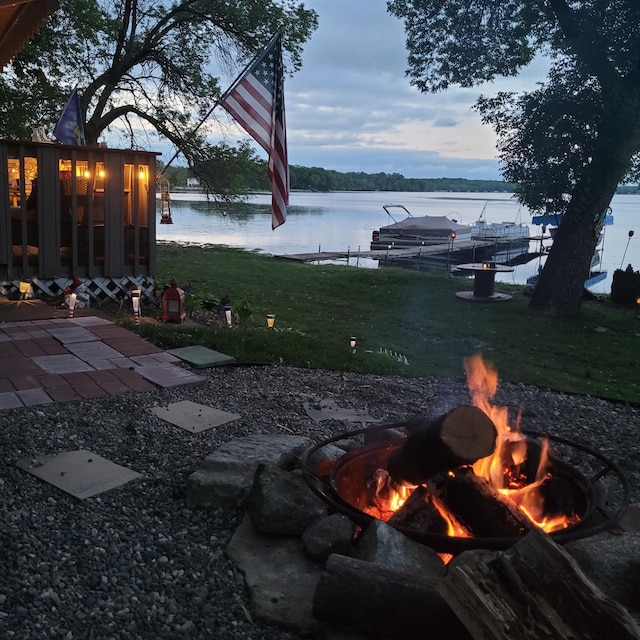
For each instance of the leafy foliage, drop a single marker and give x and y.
(144, 68)
(569, 142)
(318, 179)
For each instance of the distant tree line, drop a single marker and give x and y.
(253, 177)
(317, 179)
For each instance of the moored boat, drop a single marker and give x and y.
(414, 231)
(552, 222)
(482, 229)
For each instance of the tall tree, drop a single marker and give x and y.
(146, 68)
(568, 143)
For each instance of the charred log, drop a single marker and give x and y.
(557, 497)
(478, 506)
(461, 436)
(382, 602)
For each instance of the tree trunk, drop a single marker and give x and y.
(560, 287)
(460, 436)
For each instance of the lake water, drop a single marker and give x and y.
(345, 220)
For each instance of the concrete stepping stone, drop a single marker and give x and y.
(168, 375)
(65, 363)
(193, 417)
(328, 409)
(69, 335)
(81, 473)
(201, 357)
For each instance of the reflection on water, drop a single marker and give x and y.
(345, 221)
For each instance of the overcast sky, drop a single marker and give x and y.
(351, 107)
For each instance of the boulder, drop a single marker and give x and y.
(282, 502)
(226, 476)
(333, 534)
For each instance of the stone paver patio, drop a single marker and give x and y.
(65, 359)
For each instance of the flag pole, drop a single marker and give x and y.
(223, 97)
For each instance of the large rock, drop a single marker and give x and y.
(612, 562)
(282, 502)
(383, 545)
(280, 576)
(226, 476)
(322, 461)
(631, 519)
(333, 534)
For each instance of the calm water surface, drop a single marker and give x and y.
(345, 220)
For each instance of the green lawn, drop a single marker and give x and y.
(396, 314)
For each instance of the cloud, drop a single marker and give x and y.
(352, 108)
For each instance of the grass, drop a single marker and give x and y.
(398, 316)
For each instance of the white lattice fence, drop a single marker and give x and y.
(101, 289)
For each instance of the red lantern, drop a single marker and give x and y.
(173, 304)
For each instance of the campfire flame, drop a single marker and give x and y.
(502, 469)
(388, 496)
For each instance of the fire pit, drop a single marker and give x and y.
(529, 480)
(599, 491)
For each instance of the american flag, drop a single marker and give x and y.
(256, 101)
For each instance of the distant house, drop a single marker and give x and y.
(193, 182)
(76, 211)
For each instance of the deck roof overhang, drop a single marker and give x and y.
(19, 22)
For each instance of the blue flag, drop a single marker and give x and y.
(70, 128)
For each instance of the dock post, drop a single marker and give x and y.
(348, 252)
(358, 257)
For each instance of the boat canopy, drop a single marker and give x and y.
(425, 225)
(556, 218)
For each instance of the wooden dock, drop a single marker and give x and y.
(431, 251)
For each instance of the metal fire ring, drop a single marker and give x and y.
(606, 489)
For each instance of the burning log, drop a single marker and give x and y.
(534, 590)
(419, 513)
(478, 506)
(382, 602)
(461, 436)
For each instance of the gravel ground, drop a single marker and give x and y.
(134, 562)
